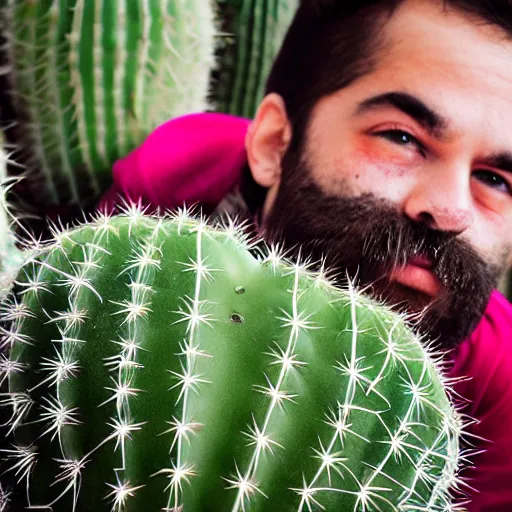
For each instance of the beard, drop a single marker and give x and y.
(365, 238)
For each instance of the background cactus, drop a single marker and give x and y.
(165, 364)
(254, 31)
(87, 80)
(10, 256)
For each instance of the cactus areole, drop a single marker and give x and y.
(163, 363)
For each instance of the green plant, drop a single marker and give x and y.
(167, 364)
(91, 79)
(254, 31)
(10, 256)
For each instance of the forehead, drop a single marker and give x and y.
(460, 64)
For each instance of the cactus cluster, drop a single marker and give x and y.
(163, 363)
(90, 79)
(254, 31)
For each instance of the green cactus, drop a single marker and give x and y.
(92, 78)
(162, 363)
(11, 257)
(254, 31)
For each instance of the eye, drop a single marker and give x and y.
(495, 180)
(400, 137)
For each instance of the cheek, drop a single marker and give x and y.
(496, 206)
(364, 164)
(498, 256)
(371, 164)
(382, 158)
(491, 234)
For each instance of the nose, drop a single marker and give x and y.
(442, 201)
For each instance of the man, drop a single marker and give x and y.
(384, 144)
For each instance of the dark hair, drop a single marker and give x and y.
(331, 43)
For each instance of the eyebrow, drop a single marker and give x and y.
(435, 124)
(502, 161)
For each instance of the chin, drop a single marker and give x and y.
(401, 298)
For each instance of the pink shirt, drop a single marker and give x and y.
(195, 158)
(198, 158)
(486, 358)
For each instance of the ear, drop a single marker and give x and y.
(267, 139)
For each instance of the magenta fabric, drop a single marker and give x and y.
(198, 159)
(191, 159)
(486, 358)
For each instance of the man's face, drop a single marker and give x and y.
(404, 180)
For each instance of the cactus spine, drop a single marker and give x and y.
(91, 78)
(166, 364)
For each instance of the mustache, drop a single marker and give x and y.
(375, 233)
(393, 242)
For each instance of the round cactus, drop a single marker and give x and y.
(162, 363)
(91, 79)
(254, 31)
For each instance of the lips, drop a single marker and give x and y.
(418, 274)
(421, 261)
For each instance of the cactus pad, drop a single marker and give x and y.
(161, 363)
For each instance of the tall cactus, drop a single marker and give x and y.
(91, 78)
(166, 364)
(254, 31)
